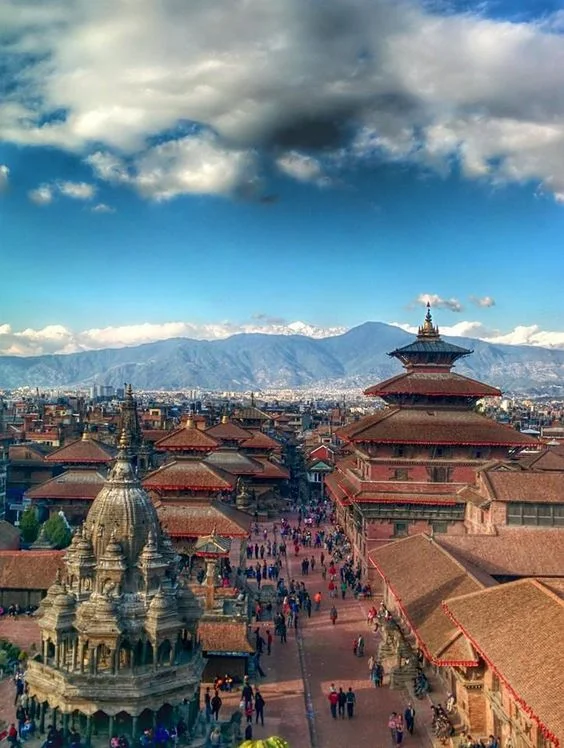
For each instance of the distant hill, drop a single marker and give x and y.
(256, 361)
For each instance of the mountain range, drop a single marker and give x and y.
(246, 361)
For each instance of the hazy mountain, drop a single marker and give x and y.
(355, 358)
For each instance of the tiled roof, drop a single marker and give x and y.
(72, 484)
(153, 435)
(518, 629)
(224, 636)
(82, 451)
(185, 439)
(251, 413)
(427, 426)
(27, 452)
(437, 384)
(549, 459)
(189, 474)
(260, 440)
(234, 462)
(271, 469)
(519, 551)
(526, 485)
(338, 483)
(29, 570)
(193, 519)
(420, 575)
(229, 432)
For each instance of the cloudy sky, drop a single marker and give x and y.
(197, 168)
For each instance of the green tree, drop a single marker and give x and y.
(29, 525)
(57, 531)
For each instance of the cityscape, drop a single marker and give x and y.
(282, 374)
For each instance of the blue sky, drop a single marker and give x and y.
(162, 176)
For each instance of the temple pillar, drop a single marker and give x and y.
(65, 725)
(54, 717)
(154, 714)
(110, 725)
(42, 710)
(134, 721)
(88, 739)
(74, 654)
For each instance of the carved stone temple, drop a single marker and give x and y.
(119, 650)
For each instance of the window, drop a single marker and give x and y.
(400, 529)
(400, 474)
(439, 527)
(529, 513)
(400, 450)
(438, 474)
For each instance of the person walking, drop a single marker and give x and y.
(333, 703)
(247, 692)
(317, 601)
(259, 707)
(268, 642)
(342, 700)
(409, 718)
(351, 701)
(216, 703)
(207, 705)
(343, 589)
(333, 615)
(392, 726)
(399, 730)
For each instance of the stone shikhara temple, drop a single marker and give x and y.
(119, 649)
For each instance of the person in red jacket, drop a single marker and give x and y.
(333, 701)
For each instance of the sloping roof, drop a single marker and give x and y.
(27, 453)
(431, 345)
(251, 413)
(72, 484)
(428, 426)
(195, 519)
(234, 462)
(518, 629)
(82, 451)
(271, 470)
(526, 485)
(186, 438)
(228, 431)
(420, 574)
(189, 474)
(29, 570)
(224, 636)
(519, 551)
(549, 459)
(432, 384)
(260, 440)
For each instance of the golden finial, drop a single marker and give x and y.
(190, 422)
(85, 434)
(428, 329)
(124, 440)
(225, 418)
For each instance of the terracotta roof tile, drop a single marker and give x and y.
(527, 485)
(193, 519)
(224, 636)
(260, 440)
(72, 484)
(82, 451)
(189, 474)
(427, 426)
(521, 551)
(548, 459)
(234, 462)
(29, 570)
(187, 438)
(420, 574)
(271, 469)
(228, 432)
(432, 384)
(517, 628)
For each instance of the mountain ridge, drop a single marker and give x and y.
(245, 361)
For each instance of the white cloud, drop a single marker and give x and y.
(301, 167)
(61, 339)
(369, 80)
(483, 301)
(77, 190)
(4, 177)
(102, 208)
(438, 302)
(42, 195)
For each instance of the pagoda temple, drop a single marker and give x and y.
(409, 460)
(118, 644)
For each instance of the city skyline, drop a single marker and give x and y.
(166, 174)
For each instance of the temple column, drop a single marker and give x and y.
(115, 660)
(42, 710)
(110, 725)
(54, 717)
(74, 654)
(154, 713)
(134, 721)
(65, 725)
(88, 740)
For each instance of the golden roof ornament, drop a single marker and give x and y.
(190, 423)
(124, 440)
(428, 329)
(225, 418)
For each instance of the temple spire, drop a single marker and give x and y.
(428, 329)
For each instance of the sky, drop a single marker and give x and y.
(201, 169)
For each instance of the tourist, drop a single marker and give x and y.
(249, 711)
(399, 730)
(343, 589)
(360, 646)
(317, 600)
(351, 701)
(114, 741)
(268, 642)
(409, 717)
(341, 703)
(247, 692)
(379, 675)
(249, 731)
(207, 704)
(12, 736)
(392, 726)
(333, 615)
(216, 703)
(333, 702)
(259, 707)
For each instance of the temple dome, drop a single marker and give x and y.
(122, 512)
